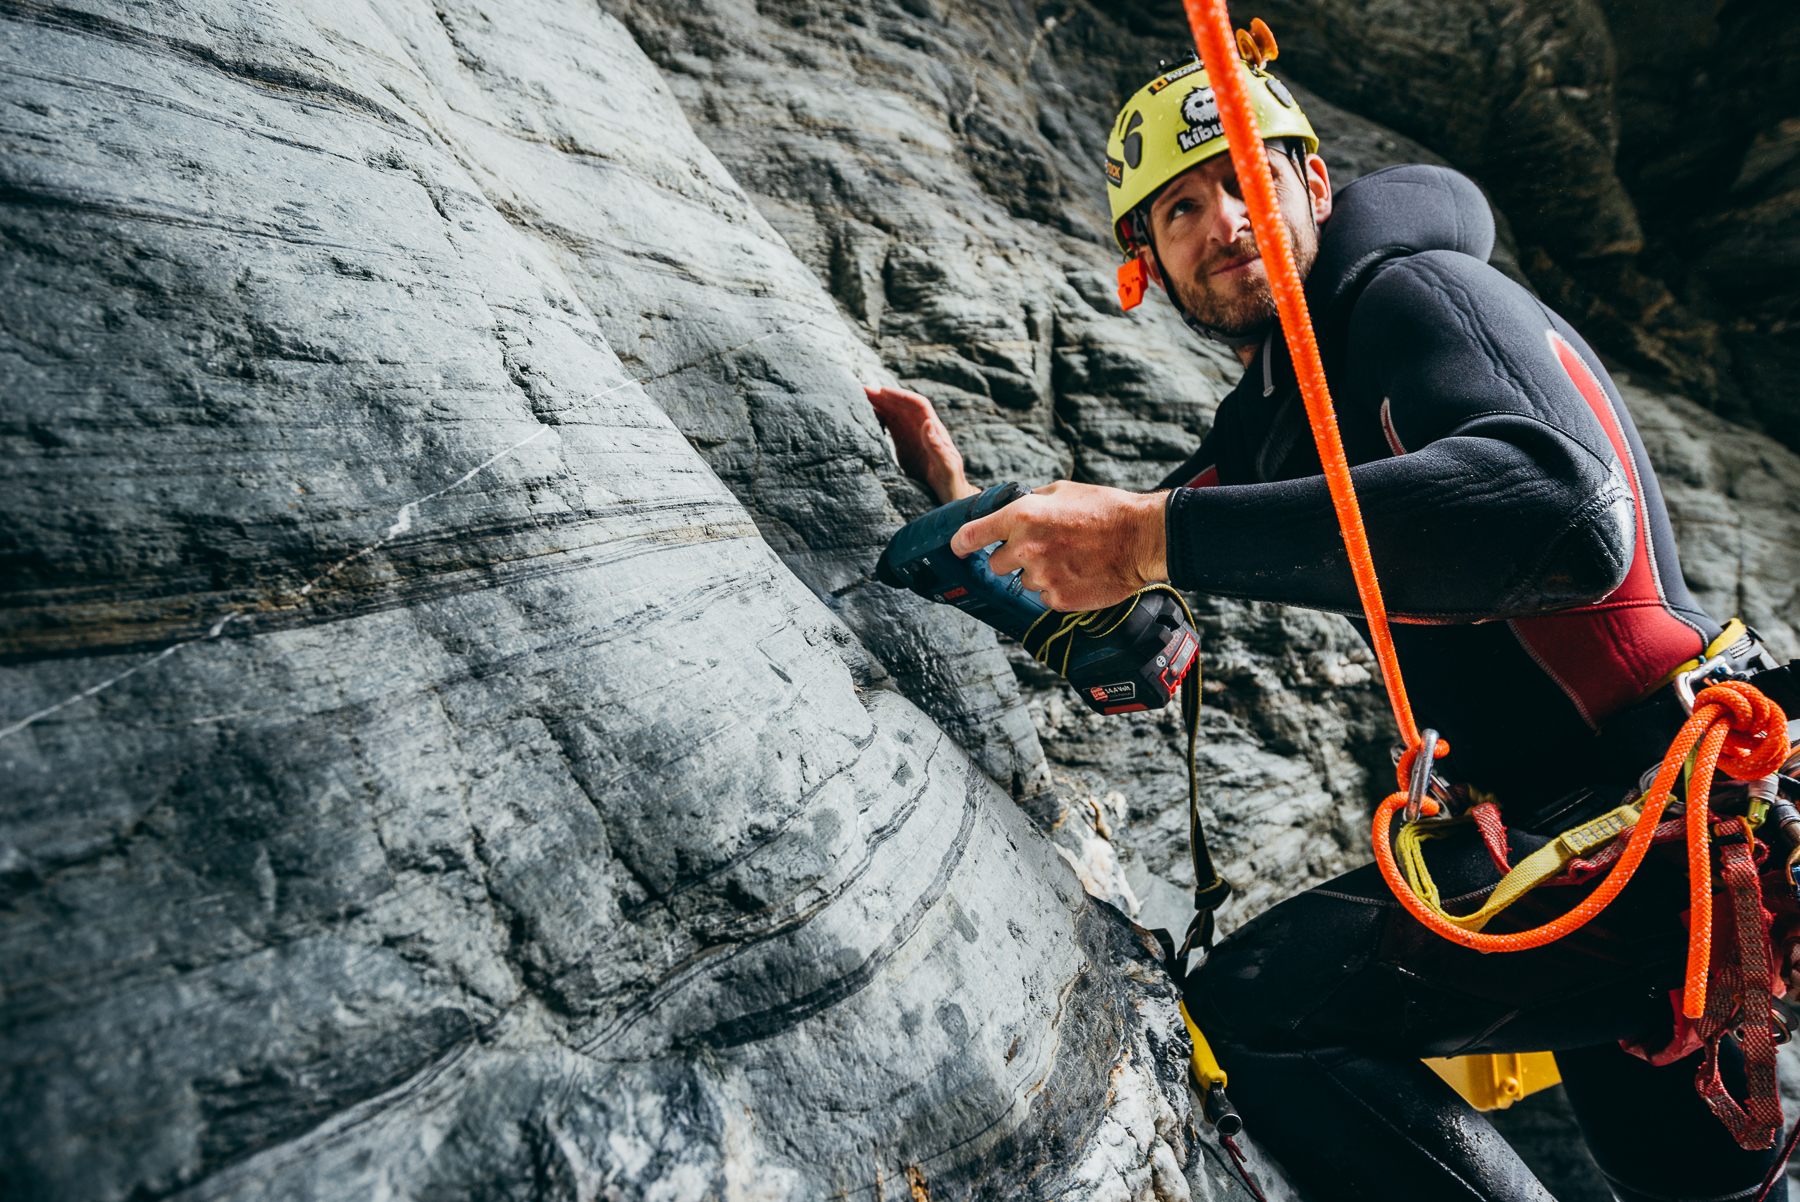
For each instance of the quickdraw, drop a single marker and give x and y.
(1733, 726)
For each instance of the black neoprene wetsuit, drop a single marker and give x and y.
(1524, 550)
(1515, 520)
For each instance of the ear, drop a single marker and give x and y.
(1318, 186)
(1149, 262)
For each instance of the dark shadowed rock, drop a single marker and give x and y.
(1640, 150)
(1709, 104)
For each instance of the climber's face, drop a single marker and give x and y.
(1202, 231)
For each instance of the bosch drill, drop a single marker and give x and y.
(1130, 656)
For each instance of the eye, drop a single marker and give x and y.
(1181, 208)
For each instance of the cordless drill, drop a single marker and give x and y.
(1129, 656)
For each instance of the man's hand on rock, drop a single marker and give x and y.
(924, 446)
(1082, 546)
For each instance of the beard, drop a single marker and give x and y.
(1244, 304)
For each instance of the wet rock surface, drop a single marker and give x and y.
(452, 745)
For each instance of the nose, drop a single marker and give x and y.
(1230, 217)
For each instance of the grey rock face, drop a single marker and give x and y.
(449, 743)
(421, 775)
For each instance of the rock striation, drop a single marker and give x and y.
(450, 742)
(423, 773)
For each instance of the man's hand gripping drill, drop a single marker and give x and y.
(1081, 546)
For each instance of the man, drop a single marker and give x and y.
(1524, 552)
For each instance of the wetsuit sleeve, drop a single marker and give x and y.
(1502, 497)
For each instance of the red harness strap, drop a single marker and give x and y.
(1743, 978)
(1740, 996)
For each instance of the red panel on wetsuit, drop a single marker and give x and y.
(1206, 479)
(1605, 655)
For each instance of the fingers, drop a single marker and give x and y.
(1079, 546)
(1007, 526)
(973, 536)
(897, 404)
(1009, 557)
(921, 442)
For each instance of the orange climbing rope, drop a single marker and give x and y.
(1728, 717)
(1212, 33)
(1734, 725)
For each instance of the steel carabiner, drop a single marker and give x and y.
(1419, 780)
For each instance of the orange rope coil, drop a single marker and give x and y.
(1735, 726)
(1738, 729)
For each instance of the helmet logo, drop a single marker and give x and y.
(1131, 146)
(1179, 73)
(1200, 109)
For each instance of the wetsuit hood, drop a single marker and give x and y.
(1390, 213)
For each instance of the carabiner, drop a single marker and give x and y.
(1684, 686)
(1419, 780)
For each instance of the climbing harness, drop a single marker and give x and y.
(1731, 726)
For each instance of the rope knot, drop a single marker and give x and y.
(1757, 743)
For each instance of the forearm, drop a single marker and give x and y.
(1464, 529)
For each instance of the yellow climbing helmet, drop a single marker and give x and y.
(1172, 123)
